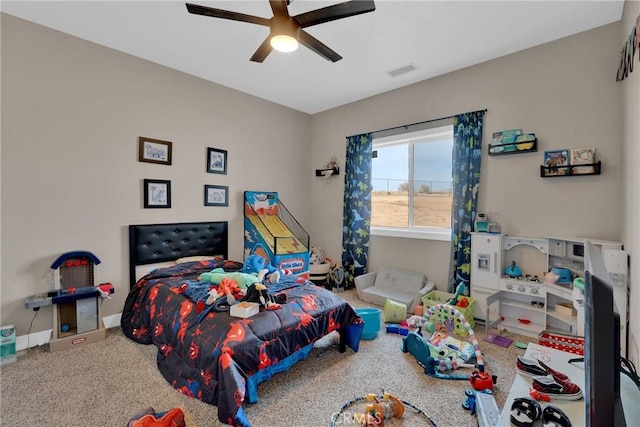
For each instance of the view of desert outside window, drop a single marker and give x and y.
(432, 189)
(391, 209)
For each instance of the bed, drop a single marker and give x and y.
(210, 355)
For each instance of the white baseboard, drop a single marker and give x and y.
(33, 340)
(112, 321)
(43, 337)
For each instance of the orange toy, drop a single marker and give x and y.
(389, 407)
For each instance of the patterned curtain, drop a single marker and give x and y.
(356, 217)
(467, 145)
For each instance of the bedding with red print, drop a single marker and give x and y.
(210, 359)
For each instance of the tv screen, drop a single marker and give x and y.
(602, 350)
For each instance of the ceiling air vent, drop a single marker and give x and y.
(402, 70)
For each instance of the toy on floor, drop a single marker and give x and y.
(481, 380)
(470, 402)
(398, 328)
(336, 277)
(382, 409)
(436, 358)
(390, 407)
(150, 418)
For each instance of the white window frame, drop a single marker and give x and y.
(413, 231)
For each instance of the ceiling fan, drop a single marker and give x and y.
(285, 30)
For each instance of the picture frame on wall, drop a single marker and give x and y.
(157, 193)
(216, 161)
(154, 151)
(216, 195)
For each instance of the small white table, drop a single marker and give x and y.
(575, 409)
(558, 360)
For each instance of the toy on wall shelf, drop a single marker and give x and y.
(330, 169)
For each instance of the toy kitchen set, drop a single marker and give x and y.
(531, 285)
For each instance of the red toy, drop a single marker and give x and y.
(481, 380)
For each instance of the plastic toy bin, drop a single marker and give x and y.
(440, 316)
(371, 317)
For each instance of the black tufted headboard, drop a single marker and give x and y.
(155, 243)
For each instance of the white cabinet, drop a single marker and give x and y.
(528, 307)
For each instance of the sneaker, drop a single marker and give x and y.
(535, 368)
(558, 389)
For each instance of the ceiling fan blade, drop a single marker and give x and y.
(279, 7)
(226, 14)
(318, 47)
(333, 12)
(262, 52)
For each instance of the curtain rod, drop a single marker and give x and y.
(422, 122)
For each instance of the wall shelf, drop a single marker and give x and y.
(328, 172)
(570, 170)
(513, 148)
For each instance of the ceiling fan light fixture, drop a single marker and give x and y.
(284, 43)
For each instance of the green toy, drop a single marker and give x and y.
(215, 276)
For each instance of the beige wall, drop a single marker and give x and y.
(630, 212)
(72, 114)
(562, 91)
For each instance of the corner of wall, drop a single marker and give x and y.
(633, 350)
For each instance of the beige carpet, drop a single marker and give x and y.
(105, 383)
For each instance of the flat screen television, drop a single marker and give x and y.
(602, 348)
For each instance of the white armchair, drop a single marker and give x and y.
(407, 287)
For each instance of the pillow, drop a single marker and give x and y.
(143, 270)
(197, 258)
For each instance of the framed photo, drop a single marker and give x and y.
(216, 195)
(157, 193)
(216, 161)
(154, 151)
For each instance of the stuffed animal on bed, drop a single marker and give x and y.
(216, 275)
(226, 288)
(257, 265)
(258, 293)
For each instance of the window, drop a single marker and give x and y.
(412, 184)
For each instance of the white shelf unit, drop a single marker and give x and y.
(526, 307)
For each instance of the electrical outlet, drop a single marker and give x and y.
(633, 350)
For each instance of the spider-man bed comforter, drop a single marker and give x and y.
(210, 359)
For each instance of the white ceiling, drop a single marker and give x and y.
(437, 37)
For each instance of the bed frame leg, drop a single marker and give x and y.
(343, 340)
